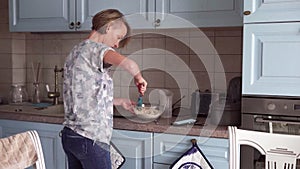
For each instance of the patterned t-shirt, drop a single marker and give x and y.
(88, 92)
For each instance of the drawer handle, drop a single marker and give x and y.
(78, 25)
(194, 141)
(247, 12)
(157, 22)
(71, 26)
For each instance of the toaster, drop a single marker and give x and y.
(200, 103)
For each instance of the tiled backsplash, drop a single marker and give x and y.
(169, 59)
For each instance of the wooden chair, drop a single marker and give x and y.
(281, 150)
(21, 151)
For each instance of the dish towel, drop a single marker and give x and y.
(117, 159)
(17, 151)
(192, 159)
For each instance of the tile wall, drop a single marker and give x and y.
(181, 60)
(12, 55)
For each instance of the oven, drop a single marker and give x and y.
(268, 114)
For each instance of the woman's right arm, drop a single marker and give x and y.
(129, 65)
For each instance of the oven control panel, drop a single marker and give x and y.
(272, 106)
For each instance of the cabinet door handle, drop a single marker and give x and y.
(247, 12)
(71, 25)
(78, 25)
(157, 22)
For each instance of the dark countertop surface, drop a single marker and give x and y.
(161, 125)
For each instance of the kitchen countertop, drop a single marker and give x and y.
(162, 125)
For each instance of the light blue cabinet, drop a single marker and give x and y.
(76, 15)
(49, 135)
(161, 14)
(142, 150)
(270, 60)
(174, 13)
(198, 13)
(161, 166)
(41, 15)
(271, 11)
(69, 15)
(136, 147)
(169, 147)
(271, 48)
(137, 13)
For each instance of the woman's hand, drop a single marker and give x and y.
(127, 104)
(141, 84)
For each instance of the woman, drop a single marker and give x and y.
(88, 91)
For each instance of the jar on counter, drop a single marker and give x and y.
(18, 94)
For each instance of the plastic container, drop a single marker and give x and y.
(165, 100)
(18, 94)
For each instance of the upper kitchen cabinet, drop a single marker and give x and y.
(198, 13)
(271, 59)
(271, 11)
(41, 15)
(70, 15)
(158, 14)
(136, 11)
(271, 48)
(76, 15)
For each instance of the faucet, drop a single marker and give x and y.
(55, 94)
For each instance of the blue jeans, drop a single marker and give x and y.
(84, 153)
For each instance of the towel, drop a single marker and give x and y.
(193, 158)
(17, 151)
(117, 159)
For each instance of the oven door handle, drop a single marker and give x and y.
(265, 120)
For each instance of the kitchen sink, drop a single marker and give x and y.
(30, 108)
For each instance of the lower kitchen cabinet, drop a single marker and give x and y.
(169, 147)
(142, 150)
(49, 134)
(136, 147)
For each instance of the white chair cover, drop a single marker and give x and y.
(281, 150)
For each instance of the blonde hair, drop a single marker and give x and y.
(103, 18)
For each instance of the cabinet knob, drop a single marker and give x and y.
(78, 25)
(71, 25)
(247, 12)
(157, 22)
(194, 141)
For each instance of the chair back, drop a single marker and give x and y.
(281, 150)
(21, 151)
